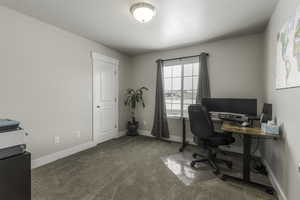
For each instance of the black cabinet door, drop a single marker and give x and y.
(15, 177)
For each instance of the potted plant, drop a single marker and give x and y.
(132, 99)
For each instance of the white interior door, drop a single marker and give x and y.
(105, 98)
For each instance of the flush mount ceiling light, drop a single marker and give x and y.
(142, 12)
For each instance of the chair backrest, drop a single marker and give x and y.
(200, 122)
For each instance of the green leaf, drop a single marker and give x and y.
(134, 97)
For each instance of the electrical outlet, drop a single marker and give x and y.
(78, 134)
(56, 140)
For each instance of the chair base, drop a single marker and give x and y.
(211, 160)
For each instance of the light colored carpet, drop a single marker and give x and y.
(129, 168)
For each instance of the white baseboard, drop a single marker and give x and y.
(122, 133)
(61, 154)
(106, 137)
(67, 152)
(274, 181)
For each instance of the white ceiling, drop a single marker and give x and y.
(177, 22)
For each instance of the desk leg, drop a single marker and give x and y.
(247, 157)
(246, 168)
(184, 143)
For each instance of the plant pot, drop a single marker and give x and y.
(132, 128)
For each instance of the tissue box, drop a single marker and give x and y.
(264, 127)
(270, 129)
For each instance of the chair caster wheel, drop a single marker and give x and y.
(193, 163)
(229, 165)
(270, 191)
(217, 172)
(223, 178)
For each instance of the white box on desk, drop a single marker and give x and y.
(270, 129)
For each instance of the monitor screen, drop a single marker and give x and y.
(239, 106)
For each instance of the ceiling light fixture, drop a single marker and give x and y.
(142, 12)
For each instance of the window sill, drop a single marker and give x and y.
(173, 117)
(176, 117)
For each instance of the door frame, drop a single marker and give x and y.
(97, 56)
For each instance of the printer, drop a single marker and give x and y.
(12, 138)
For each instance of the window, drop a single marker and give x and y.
(180, 85)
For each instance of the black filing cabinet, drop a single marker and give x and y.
(15, 177)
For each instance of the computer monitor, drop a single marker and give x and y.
(239, 106)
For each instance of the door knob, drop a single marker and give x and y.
(98, 106)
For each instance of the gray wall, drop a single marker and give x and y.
(235, 67)
(46, 81)
(283, 155)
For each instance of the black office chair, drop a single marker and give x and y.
(203, 130)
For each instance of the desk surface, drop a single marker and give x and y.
(228, 127)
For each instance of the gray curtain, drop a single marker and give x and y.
(203, 90)
(160, 125)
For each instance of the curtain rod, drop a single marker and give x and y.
(183, 57)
